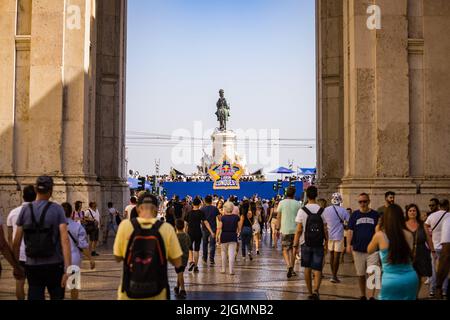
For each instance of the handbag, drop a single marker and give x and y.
(90, 225)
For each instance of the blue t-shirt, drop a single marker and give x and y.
(363, 226)
(211, 213)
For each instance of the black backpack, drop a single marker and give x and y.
(145, 264)
(38, 237)
(315, 229)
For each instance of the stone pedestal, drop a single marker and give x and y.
(225, 145)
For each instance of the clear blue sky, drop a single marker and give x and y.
(181, 52)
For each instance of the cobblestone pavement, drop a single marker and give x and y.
(263, 278)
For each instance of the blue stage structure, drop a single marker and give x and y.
(263, 189)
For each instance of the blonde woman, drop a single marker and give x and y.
(227, 231)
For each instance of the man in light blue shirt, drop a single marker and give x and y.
(336, 218)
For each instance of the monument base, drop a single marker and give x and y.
(225, 147)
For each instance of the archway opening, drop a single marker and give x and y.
(262, 53)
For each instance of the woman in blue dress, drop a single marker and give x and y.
(395, 243)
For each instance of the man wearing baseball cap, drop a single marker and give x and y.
(336, 218)
(147, 210)
(47, 261)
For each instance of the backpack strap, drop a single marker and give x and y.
(44, 213)
(33, 218)
(307, 211)
(321, 210)
(335, 210)
(74, 240)
(136, 224)
(90, 211)
(437, 224)
(157, 225)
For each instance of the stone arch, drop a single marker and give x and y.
(382, 99)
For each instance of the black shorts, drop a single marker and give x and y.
(196, 240)
(93, 235)
(180, 269)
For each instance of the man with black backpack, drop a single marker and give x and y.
(43, 225)
(312, 236)
(145, 245)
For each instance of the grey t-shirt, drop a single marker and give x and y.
(55, 217)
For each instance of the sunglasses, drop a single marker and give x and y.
(363, 201)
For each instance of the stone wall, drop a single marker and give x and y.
(395, 105)
(52, 121)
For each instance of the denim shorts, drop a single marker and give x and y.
(312, 258)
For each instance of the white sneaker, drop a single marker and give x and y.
(427, 281)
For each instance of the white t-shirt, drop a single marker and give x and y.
(95, 213)
(445, 235)
(302, 217)
(112, 214)
(128, 210)
(432, 221)
(11, 222)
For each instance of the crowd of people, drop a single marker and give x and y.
(409, 247)
(246, 178)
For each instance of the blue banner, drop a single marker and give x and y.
(263, 189)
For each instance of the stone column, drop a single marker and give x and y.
(9, 196)
(330, 130)
(39, 127)
(79, 90)
(436, 99)
(110, 101)
(377, 117)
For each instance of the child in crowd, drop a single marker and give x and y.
(185, 243)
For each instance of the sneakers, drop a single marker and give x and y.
(257, 252)
(191, 266)
(212, 263)
(179, 294)
(196, 269)
(94, 254)
(205, 262)
(335, 280)
(250, 257)
(289, 273)
(315, 296)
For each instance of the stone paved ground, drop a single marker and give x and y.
(263, 278)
